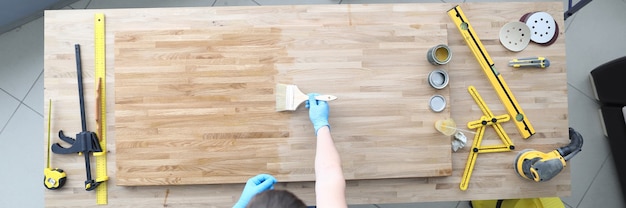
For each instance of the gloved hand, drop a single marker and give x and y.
(318, 112)
(255, 185)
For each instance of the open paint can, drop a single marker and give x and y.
(438, 79)
(438, 55)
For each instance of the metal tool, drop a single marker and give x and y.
(54, 178)
(539, 62)
(100, 75)
(86, 142)
(488, 119)
(539, 167)
(495, 78)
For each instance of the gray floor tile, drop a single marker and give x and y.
(235, 3)
(584, 117)
(8, 105)
(463, 204)
(81, 4)
(361, 206)
(21, 57)
(594, 38)
(605, 190)
(22, 153)
(34, 99)
(450, 204)
(567, 205)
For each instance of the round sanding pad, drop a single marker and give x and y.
(542, 26)
(515, 36)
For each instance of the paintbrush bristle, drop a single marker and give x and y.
(289, 97)
(284, 97)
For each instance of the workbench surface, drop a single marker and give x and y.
(542, 93)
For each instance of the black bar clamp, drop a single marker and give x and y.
(86, 142)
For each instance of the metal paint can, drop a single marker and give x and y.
(438, 79)
(437, 103)
(438, 55)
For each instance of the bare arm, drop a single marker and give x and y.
(330, 185)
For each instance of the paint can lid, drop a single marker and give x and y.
(437, 103)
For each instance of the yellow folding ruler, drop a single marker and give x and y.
(502, 89)
(100, 66)
(488, 119)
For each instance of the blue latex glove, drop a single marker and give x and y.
(318, 112)
(255, 185)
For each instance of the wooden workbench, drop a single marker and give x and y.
(541, 92)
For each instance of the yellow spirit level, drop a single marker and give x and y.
(502, 89)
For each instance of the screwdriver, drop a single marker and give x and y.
(539, 62)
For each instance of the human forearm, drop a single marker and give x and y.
(330, 184)
(327, 160)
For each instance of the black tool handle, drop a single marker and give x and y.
(79, 74)
(66, 138)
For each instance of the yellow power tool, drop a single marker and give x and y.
(539, 167)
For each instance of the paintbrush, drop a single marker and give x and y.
(289, 97)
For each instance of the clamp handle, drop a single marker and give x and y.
(85, 142)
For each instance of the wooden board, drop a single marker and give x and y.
(198, 106)
(542, 94)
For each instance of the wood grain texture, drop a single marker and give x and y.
(542, 94)
(198, 106)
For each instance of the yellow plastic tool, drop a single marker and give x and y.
(100, 67)
(539, 62)
(488, 119)
(552, 202)
(54, 178)
(502, 89)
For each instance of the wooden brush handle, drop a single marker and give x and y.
(326, 97)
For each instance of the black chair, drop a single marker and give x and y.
(609, 83)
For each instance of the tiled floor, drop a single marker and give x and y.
(594, 36)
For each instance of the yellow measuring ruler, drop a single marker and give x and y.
(502, 89)
(100, 66)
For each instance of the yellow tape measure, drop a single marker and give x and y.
(502, 89)
(100, 66)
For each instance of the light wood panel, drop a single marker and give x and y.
(198, 106)
(542, 94)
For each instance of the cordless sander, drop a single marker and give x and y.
(538, 166)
